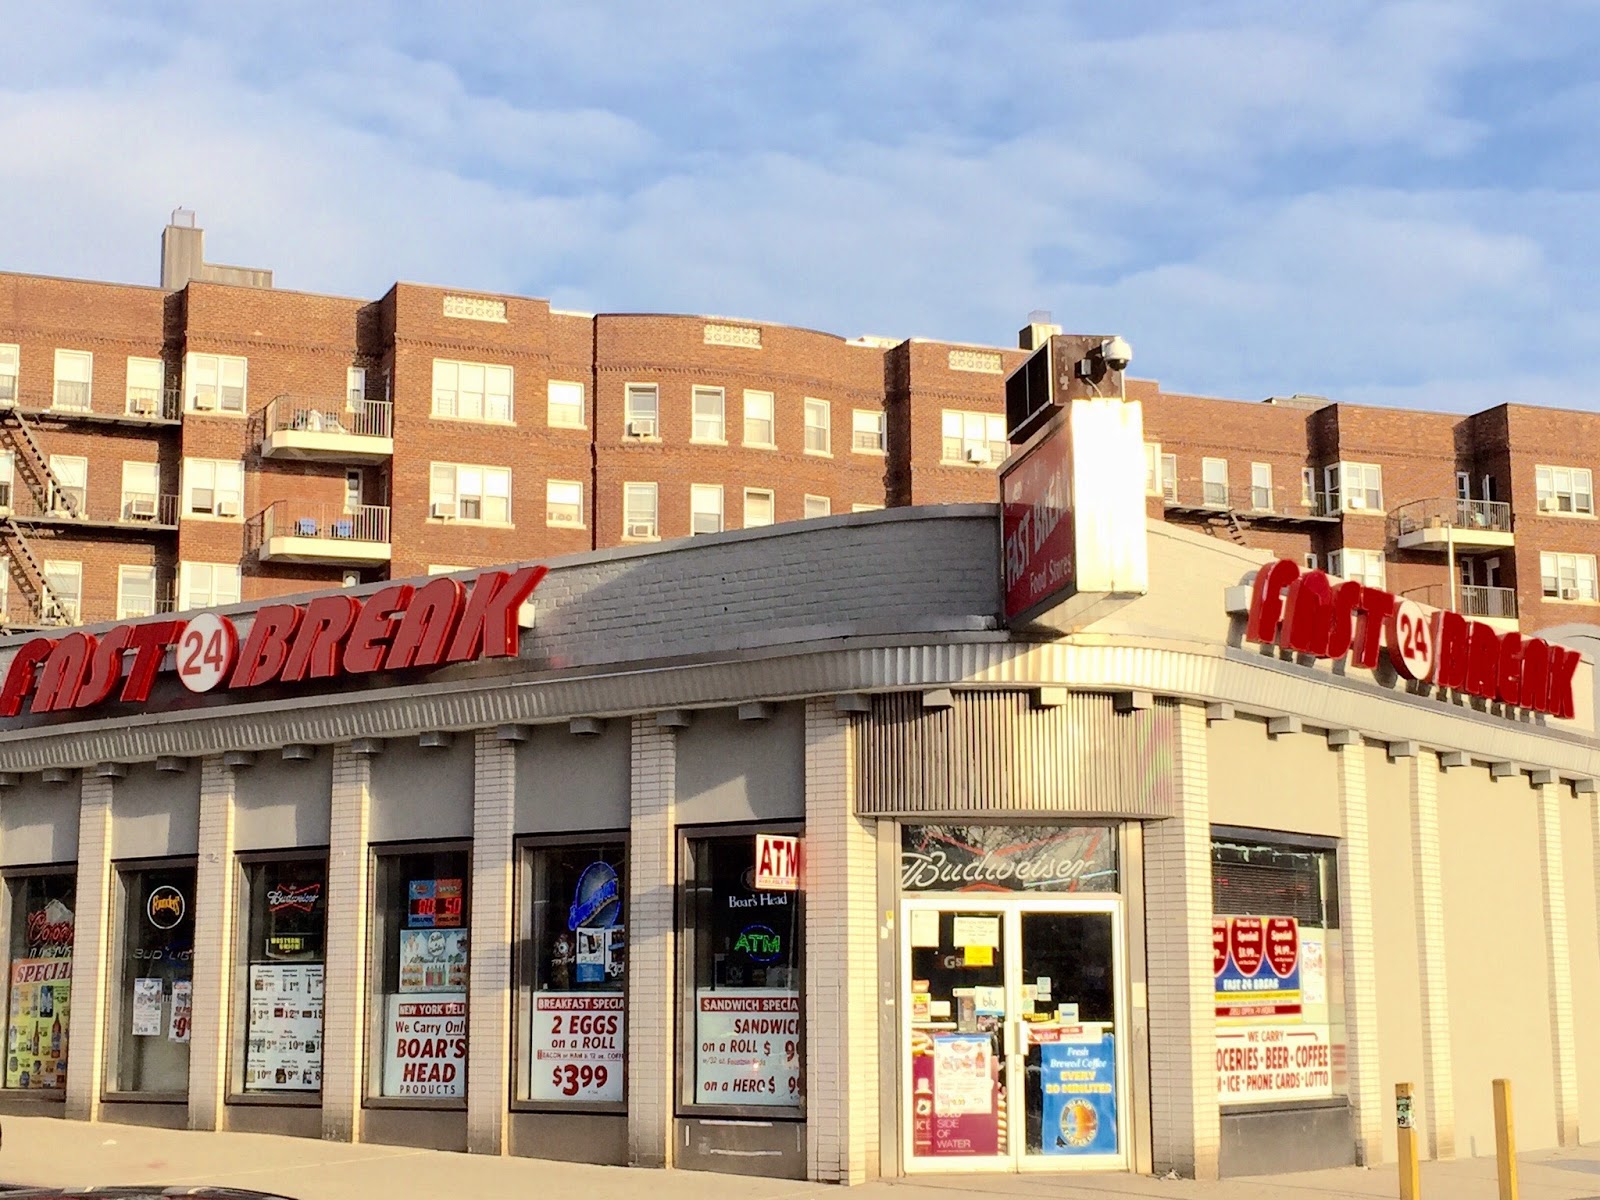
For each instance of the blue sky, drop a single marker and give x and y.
(1385, 203)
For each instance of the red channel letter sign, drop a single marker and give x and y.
(1311, 613)
(396, 628)
(1037, 525)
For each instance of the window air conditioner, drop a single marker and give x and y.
(1549, 504)
(141, 406)
(641, 529)
(977, 454)
(1569, 593)
(1356, 502)
(143, 507)
(205, 399)
(442, 510)
(227, 508)
(645, 427)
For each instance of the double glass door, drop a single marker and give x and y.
(1013, 1050)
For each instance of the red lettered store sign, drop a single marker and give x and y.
(397, 628)
(1312, 613)
(1036, 524)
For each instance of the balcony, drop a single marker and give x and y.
(70, 401)
(1445, 522)
(1266, 505)
(1494, 606)
(359, 431)
(68, 507)
(310, 532)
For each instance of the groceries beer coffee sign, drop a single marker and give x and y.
(397, 628)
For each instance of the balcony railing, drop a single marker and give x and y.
(310, 519)
(1216, 494)
(69, 504)
(157, 404)
(8, 389)
(1265, 502)
(1478, 601)
(1480, 516)
(353, 418)
(72, 394)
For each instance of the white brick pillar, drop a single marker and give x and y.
(1360, 974)
(1562, 1035)
(489, 980)
(213, 947)
(344, 995)
(841, 1055)
(91, 939)
(652, 880)
(1184, 1118)
(1438, 1075)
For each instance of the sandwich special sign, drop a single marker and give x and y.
(399, 627)
(1314, 614)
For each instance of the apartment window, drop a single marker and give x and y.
(215, 383)
(441, 569)
(1169, 477)
(69, 486)
(1567, 576)
(8, 477)
(758, 507)
(860, 508)
(1310, 561)
(1363, 566)
(563, 501)
(208, 585)
(709, 415)
(136, 592)
(471, 391)
(65, 581)
(1464, 485)
(1152, 468)
(866, 430)
(141, 491)
(10, 366)
(639, 510)
(818, 506)
(1352, 487)
(565, 409)
(471, 493)
(74, 371)
(1214, 481)
(642, 407)
(213, 487)
(355, 386)
(1308, 487)
(973, 437)
(1261, 487)
(1565, 489)
(758, 420)
(146, 379)
(705, 508)
(819, 427)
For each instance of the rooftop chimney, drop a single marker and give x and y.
(183, 258)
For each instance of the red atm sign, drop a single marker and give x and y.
(777, 863)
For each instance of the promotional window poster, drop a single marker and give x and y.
(1079, 1083)
(433, 960)
(425, 1045)
(36, 1035)
(283, 1050)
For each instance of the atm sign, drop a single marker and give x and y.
(777, 863)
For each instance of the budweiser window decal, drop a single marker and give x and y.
(1008, 858)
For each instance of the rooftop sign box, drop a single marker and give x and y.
(398, 627)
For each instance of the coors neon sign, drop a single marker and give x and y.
(399, 627)
(1312, 613)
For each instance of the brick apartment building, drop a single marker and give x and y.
(216, 439)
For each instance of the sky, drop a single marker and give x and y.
(1387, 203)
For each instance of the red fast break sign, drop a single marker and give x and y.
(1311, 613)
(1037, 525)
(396, 628)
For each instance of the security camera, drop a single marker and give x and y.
(1116, 353)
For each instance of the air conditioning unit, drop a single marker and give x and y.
(442, 511)
(1569, 593)
(977, 454)
(205, 400)
(641, 529)
(1354, 502)
(227, 508)
(143, 507)
(1549, 504)
(642, 428)
(141, 406)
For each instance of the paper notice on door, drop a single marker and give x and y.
(147, 1008)
(991, 1001)
(925, 928)
(978, 956)
(1042, 988)
(977, 931)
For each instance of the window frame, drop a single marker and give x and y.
(1338, 564)
(127, 492)
(551, 406)
(825, 408)
(185, 584)
(76, 602)
(719, 421)
(771, 419)
(1552, 491)
(1555, 557)
(879, 432)
(995, 448)
(57, 463)
(772, 510)
(632, 415)
(128, 385)
(655, 512)
(484, 415)
(1336, 487)
(187, 511)
(1210, 496)
(1258, 472)
(87, 358)
(217, 409)
(722, 508)
(554, 524)
(118, 1019)
(483, 495)
(123, 572)
(827, 502)
(10, 356)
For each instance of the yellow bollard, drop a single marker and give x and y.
(1505, 1139)
(1406, 1140)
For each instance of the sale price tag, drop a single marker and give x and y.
(577, 1047)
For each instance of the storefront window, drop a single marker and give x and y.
(1279, 966)
(286, 919)
(744, 964)
(420, 933)
(580, 953)
(156, 991)
(41, 980)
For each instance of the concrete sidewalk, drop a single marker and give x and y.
(69, 1154)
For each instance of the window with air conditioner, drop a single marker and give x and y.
(639, 511)
(215, 383)
(69, 485)
(819, 427)
(74, 373)
(1564, 489)
(705, 508)
(136, 592)
(564, 405)
(818, 506)
(1567, 576)
(64, 602)
(975, 438)
(1362, 566)
(709, 415)
(1354, 487)
(470, 493)
(758, 419)
(207, 585)
(147, 378)
(8, 478)
(563, 502)
(867, 430)
(10, 369)
(1261, 487)
(213, 487)
(1214, 482)
(642, 410)
(141, 488)
(759, 507)
(468, 391)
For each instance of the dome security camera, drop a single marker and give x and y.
(1116, 353)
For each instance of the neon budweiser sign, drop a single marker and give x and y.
(1312, 613)
(397, 628)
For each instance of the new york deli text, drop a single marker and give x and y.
(1311, 613)
(398, 627)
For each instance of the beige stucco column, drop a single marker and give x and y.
(1184, 1118)
(1360, 972)
(1438, 1077)
(91, 938)
(344, 1032)
(841, 1060)
(652, 878)
(213, 947)
(489, 981)
(1563, 1039)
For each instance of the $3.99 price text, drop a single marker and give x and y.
(571, 1078)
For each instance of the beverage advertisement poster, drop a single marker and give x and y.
(425, 1045)
(283, 1050)
(747, 1046)
(1079, 1080)
(957, 1107)
(434, 903)
(36, 1036)
(147, 1008)
(433, 960)
(577, 1046)
(182, 1010)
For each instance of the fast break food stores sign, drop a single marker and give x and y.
(399, 627)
